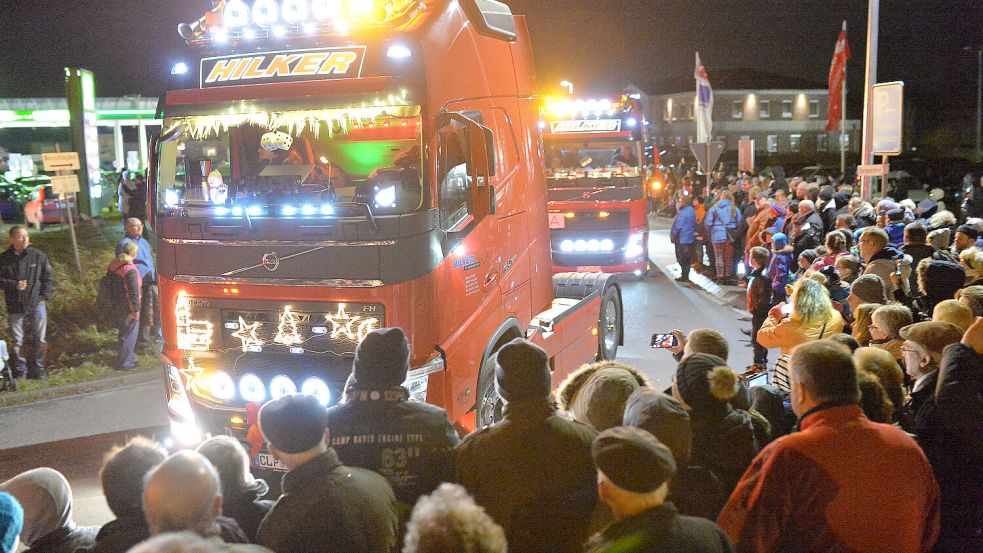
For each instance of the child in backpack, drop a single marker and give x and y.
(126, 305)
(778, 268)
(759, 294)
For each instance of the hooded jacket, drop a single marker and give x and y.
(779, 265)
(596, 393)
(684, 226)
(942, 280)
(720, 218)
(789, 332)
(48, 523)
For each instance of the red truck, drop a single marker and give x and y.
(330, 169)
(597, 179)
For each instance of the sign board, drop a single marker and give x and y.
(61, 161)
(66, 184)
(283, 66)
(873, 170)
(586, 125)
(745, 155)
(707, 153)
(557, 221)
(887, 118)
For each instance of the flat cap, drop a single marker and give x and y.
(633, 459)
(293, 423)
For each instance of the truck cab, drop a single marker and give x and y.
(368, 165)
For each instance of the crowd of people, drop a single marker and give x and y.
(844, 453)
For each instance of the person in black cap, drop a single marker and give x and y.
(377, 424)
(966, 236)
(633, 473)
(532, 471)
(325, 506)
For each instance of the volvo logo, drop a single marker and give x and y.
(271, 261)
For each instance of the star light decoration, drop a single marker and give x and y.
(287, 332)
(247, 334)
(353, 327)
(191, 334)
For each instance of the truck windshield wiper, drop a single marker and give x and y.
(362, 206)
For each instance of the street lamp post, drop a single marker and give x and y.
(979, 96)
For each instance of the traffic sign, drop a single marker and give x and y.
(873, 170)
(61, 161)
(887, 119)
(707, 154)
(65, 184)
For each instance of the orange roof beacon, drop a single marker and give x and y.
(330, 167)
(596, 174)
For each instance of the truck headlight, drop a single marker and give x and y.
(316, 387)
(636, 246)
(221, 386)
(252, 389)
(418, 379)
(282, 386)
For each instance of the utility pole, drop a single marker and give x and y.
(870, 78)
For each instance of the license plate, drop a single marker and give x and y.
(267, 461)
(589, 269)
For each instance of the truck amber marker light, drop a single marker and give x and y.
(191, 334)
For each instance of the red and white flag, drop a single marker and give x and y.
(837, 74)
(704, 104)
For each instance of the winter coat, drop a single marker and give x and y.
(247, 510)
(132, 288)
(661, 529)
(912, 413)
(778, 268)
(950, 430)
(375, 425)
(757, 225)
(759, 292)
(534, 475)
(684, 227)
(595, 394)
(864, 215)
(356, 510)
(789, 332)
(65, 540)
(797, 494)
(119, 535)
(30, 265)
(776, 221)
(724, 442)
(827, 260)
(916, 252)
(895, 234)
(942, 280)
(883, 264)
(806, 232)
(719, 218)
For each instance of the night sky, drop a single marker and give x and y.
(131, 44)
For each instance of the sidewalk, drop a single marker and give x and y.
(11, 400)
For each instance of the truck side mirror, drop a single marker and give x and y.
(152, 181)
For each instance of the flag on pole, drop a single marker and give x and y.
(837, 74)
(704, 107)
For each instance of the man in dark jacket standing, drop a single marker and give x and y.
(805, 229)
(325, 506)
(633, 473)
(532, 471)
(409, 443)
(28, 282)
(683, 235)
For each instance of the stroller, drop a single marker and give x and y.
(7, 381)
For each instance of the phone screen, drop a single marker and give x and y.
(664, 341)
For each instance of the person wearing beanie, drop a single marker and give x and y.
(724, 440)
(46, 500)
(866, 289)
(531, 471)
(356, 507)
(965, 238)
(779, 266)
(951, 433)
(633, 473)
(378, 413)
(11, 522)
(596, 392)
(817, 489)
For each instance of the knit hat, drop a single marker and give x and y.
(11, 521)
(943, 279)
(633, 459)
(382, 359)
(809, 254)
(705, 381)
(869, 288)
(665, 418)
(955, 312)
(779, 240)
(939, 238)
(293, 423)
(522, 371)
(934, 336)
(969, 230)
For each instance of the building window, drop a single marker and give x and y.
(772, 143)
(691, 112)
(795, 142)
(786, 109)
(737, 110)
(813, 109)
(822, 142)
(764, 109)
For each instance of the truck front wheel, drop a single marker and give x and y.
(609, 325)
(488, 410)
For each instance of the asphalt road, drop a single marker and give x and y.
(72, 434)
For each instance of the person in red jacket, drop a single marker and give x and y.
(127, 314)
(842, 483)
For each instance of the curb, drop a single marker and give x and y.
(80, 388)
(731, 297)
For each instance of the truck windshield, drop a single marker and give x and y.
(566, 159)
(291, 164)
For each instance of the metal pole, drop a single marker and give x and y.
(843, 128)
(71, 221)
(979, 100)
(870, 78)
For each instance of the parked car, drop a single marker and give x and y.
(43, 207)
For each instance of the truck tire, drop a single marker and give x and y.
(609, 324)
(488, 404)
